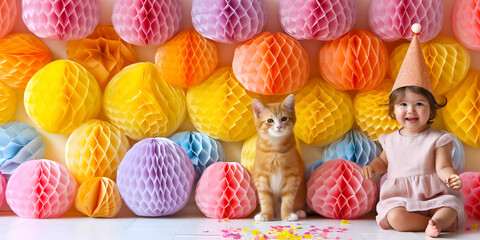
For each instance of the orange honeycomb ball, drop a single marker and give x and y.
(8, 104)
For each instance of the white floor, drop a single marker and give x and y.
(190, 224)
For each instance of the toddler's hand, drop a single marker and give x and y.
(367, 171)
(454, 182)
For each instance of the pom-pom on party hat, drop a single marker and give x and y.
(413, 71)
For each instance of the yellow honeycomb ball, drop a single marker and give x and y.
(447, 62)
(61, 96)
(187, 59)
(462, 113)
(95, 149)
(98, 197)
(324, 114)
(8, 104)
(142, 104)
(221, 107)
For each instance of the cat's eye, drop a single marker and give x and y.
(284, 119)
(270, 120)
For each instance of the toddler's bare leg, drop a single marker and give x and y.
(444, 218)
(402, 220)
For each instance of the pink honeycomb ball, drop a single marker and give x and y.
(471, 193)
(466, 23)
(8, 13)
(41, 189)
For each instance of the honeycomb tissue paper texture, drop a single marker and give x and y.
(466, 24)
(8, 103)
(98, 197)
(3, 187)
(471, 193)
(8, 8)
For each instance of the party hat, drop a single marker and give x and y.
(413, 71)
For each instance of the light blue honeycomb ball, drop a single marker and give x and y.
(19, 142)
(354, 146)
(310, 167)
(458, 154)
(201, 149)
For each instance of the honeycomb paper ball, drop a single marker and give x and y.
(146, 22)
(187, 59)
(337, 190)
(8, 14)
(21, 56)
(356, 61)
(471, 193)
(229, 21)
(311, 166)
(103, 53)
(271, 64)
(98, 197)
(466, 24)
(40, 189)
(155, 177)
(324, 114)
(321, 20)
(226, 190)
(447, 62)
(95, 149)
(226, 113)
(19, 142)
(8, 103)
(354, 146)
(371, 111)
(391, 20)
(142, 104)
(3, 186)
(61, 96)
(61, 20)
(202, 150)
(462, 113)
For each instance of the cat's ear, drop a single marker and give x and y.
(289, 103)
(258, 106)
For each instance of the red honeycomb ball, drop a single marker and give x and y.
(471, 193)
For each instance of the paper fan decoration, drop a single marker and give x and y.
(103, 53)
(61, 20)
(324, 114)
(19, 142)
(391, 20)
(371, 111)
(3, 187)
(95, 149)
(447, 61)
(321, 20)
(471, 193)
(146, 22)
(271, 64)
(337, 190)
(466, 24)
(226, 113)
(155, 177)
(462, 113)
(41, 189)
(226, 190)
(356, 61)
(187, 59)
(354, 146)
(142, 104)
(61, 96)
(8, 14)
(98, 197)
(8, 103)
(202, 150)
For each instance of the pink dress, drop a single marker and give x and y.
(412, 181)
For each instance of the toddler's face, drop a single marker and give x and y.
(412, 112)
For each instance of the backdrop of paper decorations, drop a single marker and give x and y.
(61, 96)
(3, 187)
(8, 9)
(226, 113)
(228, 21)
(202, 150)
(324, 114)
(465, 23)
(146, 22)
(371, 111)
(155, 177)
(391, 20)
(226, 190)
(103, 53)
(40, 189)
(338, 190)
(356, 61)
(98, 197)
(447, 61)
(19, 142)
(471, 193)
(95, 149)
(61, 20)
(462, 113)
(187, 59)
(271, 64)
(458, 154)
(8, 103)
(311, 166)
(142, 104)
(321, 20)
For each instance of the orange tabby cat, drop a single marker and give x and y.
(278, 170)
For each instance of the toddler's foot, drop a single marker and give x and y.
(432, 230)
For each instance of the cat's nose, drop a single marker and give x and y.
(279, 127)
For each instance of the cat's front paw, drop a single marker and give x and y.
(291, 217)
(262, 218)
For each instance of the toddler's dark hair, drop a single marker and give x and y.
(399, 93)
